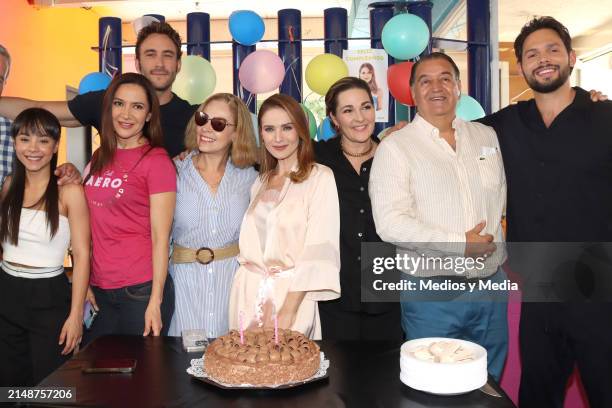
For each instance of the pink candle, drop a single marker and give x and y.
(241, 327)
(275, 329)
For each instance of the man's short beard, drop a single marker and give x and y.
(165, 88)
(539, 87)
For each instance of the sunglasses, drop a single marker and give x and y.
(218, 124)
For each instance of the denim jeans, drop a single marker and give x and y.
(122, 310)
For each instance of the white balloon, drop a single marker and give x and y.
(142, 22)
(255, 128)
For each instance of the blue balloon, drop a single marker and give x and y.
(246, 27)
(468, 108)
(405, 36)
(325, 131)
(95, 81)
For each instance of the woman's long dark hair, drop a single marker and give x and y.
(42, 123)
(108, 140)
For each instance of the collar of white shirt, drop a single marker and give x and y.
(430, 129)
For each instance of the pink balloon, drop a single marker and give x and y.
(261, 71)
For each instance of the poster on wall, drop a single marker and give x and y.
(371, 66)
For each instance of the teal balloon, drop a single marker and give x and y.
(405, 36)
(468, 108)
(326, 131)
(312, 122)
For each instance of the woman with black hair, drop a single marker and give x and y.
(350, 107)
(41, 317)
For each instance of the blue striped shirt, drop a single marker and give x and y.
(206, 219)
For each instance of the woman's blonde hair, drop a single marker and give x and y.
(243, 152)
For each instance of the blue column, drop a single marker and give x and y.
(113, 44)
(157, 16)
(479, 56)
(239, 53)
(198, 34)
(290, 51)
(335, 25)
(380, 13)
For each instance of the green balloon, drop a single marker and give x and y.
(196, 80)
(312, 123)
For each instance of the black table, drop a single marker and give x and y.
(361, 374)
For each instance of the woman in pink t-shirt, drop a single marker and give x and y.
(131, 191)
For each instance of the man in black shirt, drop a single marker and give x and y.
(557, 152)
(158, 57)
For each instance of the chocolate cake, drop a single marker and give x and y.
(259, 359)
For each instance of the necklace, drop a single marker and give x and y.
(356, 154)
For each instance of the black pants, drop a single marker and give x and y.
(556, 336)
(339, 324)
(122, 310)
(32, 314)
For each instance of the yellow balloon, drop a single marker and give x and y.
(323, 70)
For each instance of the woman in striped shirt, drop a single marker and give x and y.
(212, 196)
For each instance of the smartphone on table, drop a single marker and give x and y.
(111, 365)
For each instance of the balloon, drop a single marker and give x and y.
(405, 36)
(312, 122)
(323, 70)
(142, 22)
(398, 79)
(196, 80)
(261, 71)
(246, 27)
(468, 108)
(326, 131)
(255, 127)
(95, 81)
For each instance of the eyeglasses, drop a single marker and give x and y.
(218, 124)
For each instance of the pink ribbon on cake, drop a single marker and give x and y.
(266, 286)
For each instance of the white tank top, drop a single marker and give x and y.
(36, 247)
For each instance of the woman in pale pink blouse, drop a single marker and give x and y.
(289, 240)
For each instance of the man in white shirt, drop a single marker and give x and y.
(439, 183)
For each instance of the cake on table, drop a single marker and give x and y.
(261, 359)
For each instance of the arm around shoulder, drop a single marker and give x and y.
(10, 107)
